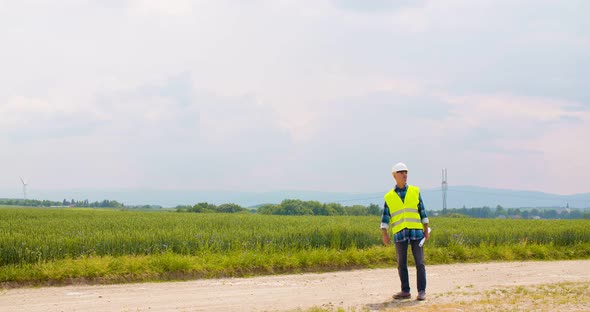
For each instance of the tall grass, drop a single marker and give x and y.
(35, 235)
(498, 232)
(41, 244)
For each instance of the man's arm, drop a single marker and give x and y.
(423, 216)
(385, 237)
(385, 225)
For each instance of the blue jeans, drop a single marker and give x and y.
(401, 249)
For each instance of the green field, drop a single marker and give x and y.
(56, 246)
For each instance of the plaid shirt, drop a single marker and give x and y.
(405, 234)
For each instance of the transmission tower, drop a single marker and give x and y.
(445, 186)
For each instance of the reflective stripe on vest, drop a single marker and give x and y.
(404, 214)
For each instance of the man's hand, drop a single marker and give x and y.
(385, 237)
(426, 232)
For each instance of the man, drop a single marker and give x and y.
(405, 211)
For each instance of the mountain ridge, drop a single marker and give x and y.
(457, 197)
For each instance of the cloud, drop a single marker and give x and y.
(376, 6)
(178, 8)
(266, 94)
(31, 119)
(503, 124)
(534, 115)
(468, 134)
(491, 132)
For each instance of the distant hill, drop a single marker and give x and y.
(473, 196)
(457, 197)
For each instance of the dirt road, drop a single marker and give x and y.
(362, 289)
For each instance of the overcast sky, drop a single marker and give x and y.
(294, 95)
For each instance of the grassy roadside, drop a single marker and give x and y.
(171, 266)
(65, 246)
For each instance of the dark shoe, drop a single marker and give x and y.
(421, 295)
(402, 295)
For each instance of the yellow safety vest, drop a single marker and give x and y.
(404, 214)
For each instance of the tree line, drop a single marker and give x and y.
(517, 213)
(315, 208)
(289, 207)
(64, 203)
(211, 208)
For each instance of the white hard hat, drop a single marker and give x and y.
(399, 167)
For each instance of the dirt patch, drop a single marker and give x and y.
(456, 287)
(566, 296)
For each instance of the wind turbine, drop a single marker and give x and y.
(24, 187)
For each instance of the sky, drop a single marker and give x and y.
(323, 95)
